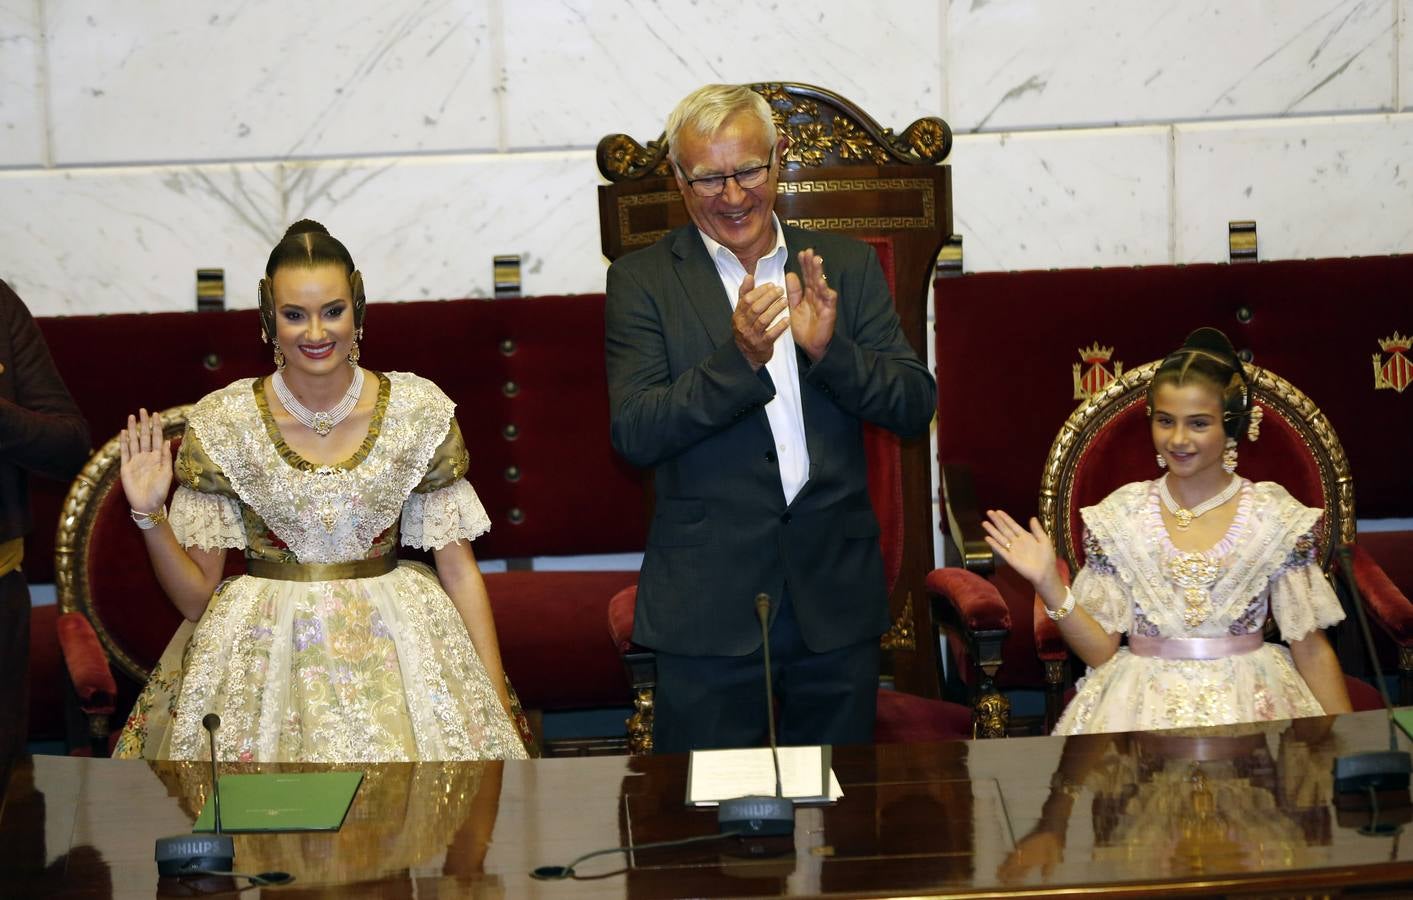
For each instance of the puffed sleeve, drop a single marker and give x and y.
(443, 507)
(205, 512)
(1098, 588)
(1302, 600)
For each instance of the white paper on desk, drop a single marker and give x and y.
(716, 775)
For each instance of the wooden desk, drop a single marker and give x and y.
(1124, 815)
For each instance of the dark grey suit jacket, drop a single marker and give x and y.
(685, 402)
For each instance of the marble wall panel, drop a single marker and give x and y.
(169, 80)
(21, 87)
(1320, 186)
(81, 241)
(578, 70)
(1035, 200)
(1032, 64)
(1405, 54)
(427, 228)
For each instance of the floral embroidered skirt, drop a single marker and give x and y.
(357, 670)
(1144, 693)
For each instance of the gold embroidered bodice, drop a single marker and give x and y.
(243, 487)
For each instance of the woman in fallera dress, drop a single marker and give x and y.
(1188, 565)
(327, 649)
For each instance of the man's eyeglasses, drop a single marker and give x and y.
(713, 185)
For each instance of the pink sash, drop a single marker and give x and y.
(1195, 648)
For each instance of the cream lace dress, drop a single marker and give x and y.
(345, 669)
(1129, 584)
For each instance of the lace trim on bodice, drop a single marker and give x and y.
(326, 513)
(1249, 556)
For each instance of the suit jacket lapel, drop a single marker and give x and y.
(701, 284)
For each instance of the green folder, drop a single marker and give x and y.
(282, 801)
(1404, 718)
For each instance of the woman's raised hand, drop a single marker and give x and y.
(146, 462)
(1029, 552)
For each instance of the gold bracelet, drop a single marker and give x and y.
(1065, 608)
(147, 521)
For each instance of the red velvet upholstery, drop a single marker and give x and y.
(1363, 695)
(1385, 602)
(1006, 343)
(977, 599)
(550, 627)
(885, 460)
(87, 664)
(910, 719)
(1121, 453)
(621, 609)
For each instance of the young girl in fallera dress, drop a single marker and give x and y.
(327, 649)
(1188, 566)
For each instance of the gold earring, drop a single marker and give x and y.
(279, 358)
(1162, 463)
(353, 357)
(1229, 456)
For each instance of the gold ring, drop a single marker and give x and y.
(1008, 545)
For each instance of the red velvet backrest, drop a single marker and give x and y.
(1007, 343)
(1122, 451)
(885, 461)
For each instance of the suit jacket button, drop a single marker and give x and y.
(785, 518)
(770, 456)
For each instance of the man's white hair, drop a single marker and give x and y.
(703, 112)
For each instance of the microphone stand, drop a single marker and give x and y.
(199, 854)
(756, 815)
(1374, 770)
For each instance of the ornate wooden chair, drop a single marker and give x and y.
(841, 172)
(114, 620)
(1105, 443)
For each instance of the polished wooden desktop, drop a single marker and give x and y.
(1239, 811)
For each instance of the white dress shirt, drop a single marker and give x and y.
(784, 411)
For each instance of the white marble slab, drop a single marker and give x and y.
(1405, 54)
(172, 80)
(427, 228)
(1322, 186)
(21, 86)
(130, 239)
(1035, 200)
(578, 70)
(1047, 63)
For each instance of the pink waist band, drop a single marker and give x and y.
(1195, 648)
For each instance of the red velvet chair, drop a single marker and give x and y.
(840, 172)
(1105, 443)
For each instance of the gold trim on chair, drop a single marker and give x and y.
(86, 496)
(1273, 392)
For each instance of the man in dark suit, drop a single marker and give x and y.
(743, 359)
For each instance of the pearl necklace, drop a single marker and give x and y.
(325, 421)
(1185, 516)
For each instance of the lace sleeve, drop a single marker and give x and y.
(448, 514)
(207, 521)
(1302, 600)
(1099, 590)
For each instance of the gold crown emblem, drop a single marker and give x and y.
(1095, 353)
(1396, 344)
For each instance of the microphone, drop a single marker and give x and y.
(191, 854)
(1375, 770)
(755, 815)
